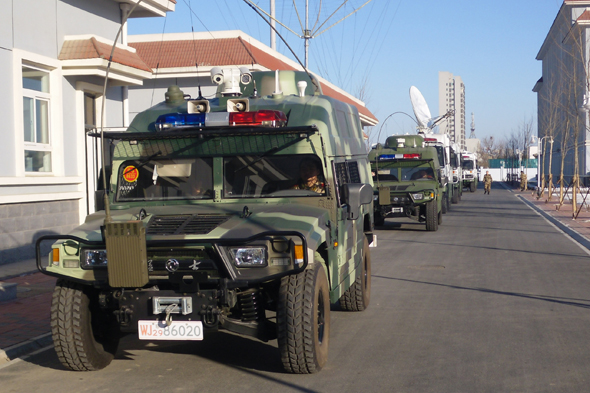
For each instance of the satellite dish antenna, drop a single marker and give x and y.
(421, 110)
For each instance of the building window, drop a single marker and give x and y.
(36, 103)
(89, 111)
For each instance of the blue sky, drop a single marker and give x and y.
(390, 45)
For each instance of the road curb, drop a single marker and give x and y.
(575, 235)
(25, 348)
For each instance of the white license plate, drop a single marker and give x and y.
(178, 330)
(397, 209)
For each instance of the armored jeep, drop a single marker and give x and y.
(211, 222)
(407, 178)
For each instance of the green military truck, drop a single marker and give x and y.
(250, 213)
(407, 174)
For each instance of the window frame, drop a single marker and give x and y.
(38, 96)
(55, 143)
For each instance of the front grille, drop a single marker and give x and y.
(398, 188)
(399, 199)
(185, 224)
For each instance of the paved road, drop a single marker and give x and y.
(495, 301)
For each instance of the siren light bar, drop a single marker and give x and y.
(413, 156)
(261, 118)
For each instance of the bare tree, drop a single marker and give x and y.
(548, 128)
(488, 149)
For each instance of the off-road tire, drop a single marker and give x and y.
(472, 186)
(303, 320)
(455, 198)
(358, 296)
(84, 339)
(445, 203)
(440, 217)
(379, 220)
(431, 216)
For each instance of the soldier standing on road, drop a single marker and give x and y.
(523, 181)
(487, 183)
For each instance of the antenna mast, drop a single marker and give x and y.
(472, 135)
(273, 36)
(306, 31)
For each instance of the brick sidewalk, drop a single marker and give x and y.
(581, 225)
(26, 317)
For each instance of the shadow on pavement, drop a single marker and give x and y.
(551, 299)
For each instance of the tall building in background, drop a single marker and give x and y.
(451, 97)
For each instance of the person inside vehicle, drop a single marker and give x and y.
(310, 176)
(422, 174)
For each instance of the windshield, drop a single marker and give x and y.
(441, 155)
(468, 165)
(420, 173)
(404, 173)
(165, 179)
(389, 174)
(272, 176)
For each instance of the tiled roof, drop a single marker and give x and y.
(222, 52)
(91, 48)
(206, 53)
(585, 16)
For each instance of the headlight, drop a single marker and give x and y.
(94, 258)
(418, 197)
(249, 256)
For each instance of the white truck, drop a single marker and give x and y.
(469, 166)
(457, 175)
(442, 143)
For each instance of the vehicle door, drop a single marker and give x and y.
(350, 232)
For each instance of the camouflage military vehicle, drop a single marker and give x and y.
(407, 177)
(251, 213)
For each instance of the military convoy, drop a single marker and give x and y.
(251, 213)
(409, 181)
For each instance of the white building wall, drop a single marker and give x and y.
(37, 203)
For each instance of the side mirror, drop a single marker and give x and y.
(355, 195)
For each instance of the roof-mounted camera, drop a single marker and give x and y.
(229, 80)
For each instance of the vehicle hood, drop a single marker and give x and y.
(212, 221)
(408, 186)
